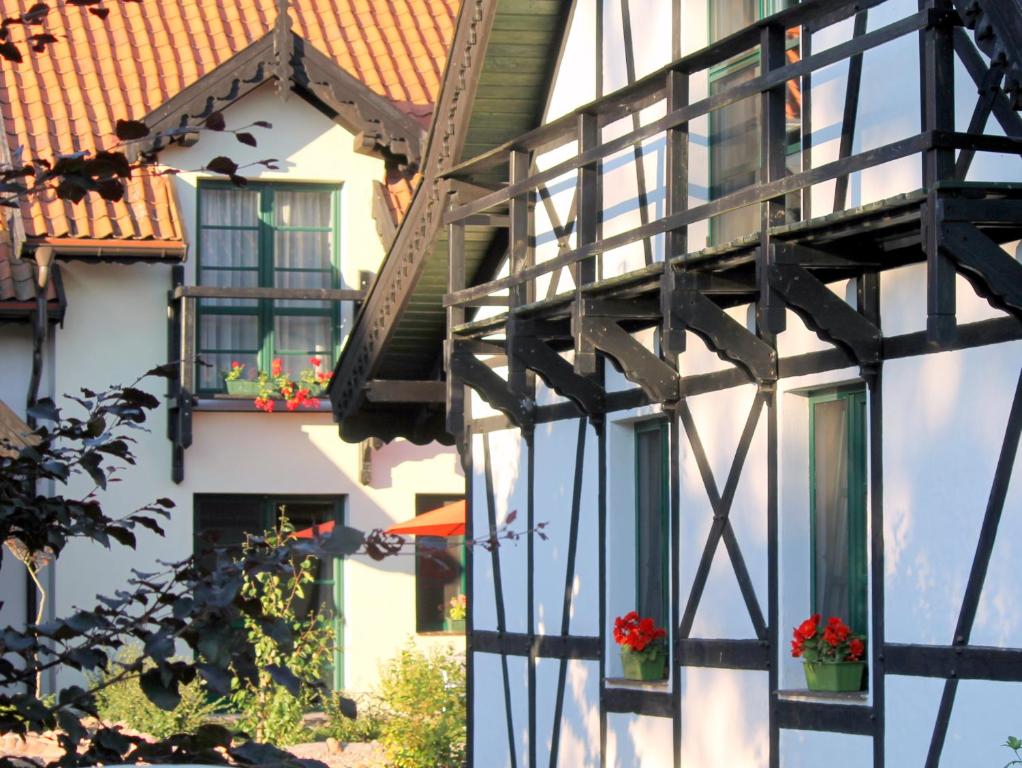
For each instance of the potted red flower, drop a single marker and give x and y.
(832, 656)
(643, 650)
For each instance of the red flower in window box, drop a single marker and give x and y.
(643, 647)
(300, 392)
(832, 655)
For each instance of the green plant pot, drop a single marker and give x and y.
(455, 625)
(842, 676)
(245, 387)
(639, 666)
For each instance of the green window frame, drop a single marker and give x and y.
(435, 585)
(742, 221)
(232, 515)
(261, 235)
(837, 434)
(652, 520)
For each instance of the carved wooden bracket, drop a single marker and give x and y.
(639, 365)
(993, 273)
(833, 320)
(731, 340)
(466, 368)
(558, 374)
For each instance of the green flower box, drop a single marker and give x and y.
(835, 677)
(455, 625)
(644, 666)
(245, 387)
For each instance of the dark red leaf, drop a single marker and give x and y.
(36, 14)
(262, 124)
(221, 164)
(511, 517)
(238, 181)
(215, 122)
(130, 130)
(10, 52)
(246, 138)
(101, 13)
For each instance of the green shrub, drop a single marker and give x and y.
(124, 702)
(425, 696)
(368, 726)
(268, 711)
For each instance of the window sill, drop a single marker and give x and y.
(244, 404)
(860, 698)
(440, 633)
(638, 685)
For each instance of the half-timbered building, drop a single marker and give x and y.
(728, 295)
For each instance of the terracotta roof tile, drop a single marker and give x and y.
(141, 55)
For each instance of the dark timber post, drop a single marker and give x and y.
(455, 317)
(519, 257)
(937, 76)
(588, 218)
(672, 337)
(773, 145)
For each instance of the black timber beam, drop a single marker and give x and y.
(834, 718)
(639, 702)
(833, 319)
(639, 365)
(543, 646)
(464, 367)
(722, 654)
(993, 273)
(963, 662)
(731, 340)
(557, 373)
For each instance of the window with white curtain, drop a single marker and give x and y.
(273, 236)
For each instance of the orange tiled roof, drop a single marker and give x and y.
(142, 54)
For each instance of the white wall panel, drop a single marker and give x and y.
(636, 740)
(724, 718)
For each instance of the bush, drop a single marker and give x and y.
(368, 726)
(425, 695)
(125, 702)
(271, 708)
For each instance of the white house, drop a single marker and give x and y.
(349, 92)
(732, 304)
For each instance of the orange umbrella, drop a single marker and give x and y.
(322, 529)
(449, 520)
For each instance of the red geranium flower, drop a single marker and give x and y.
(855, 649)
(314, 361)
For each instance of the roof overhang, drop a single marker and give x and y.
(283, 57)
(398, 334)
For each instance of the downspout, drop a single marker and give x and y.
(43, 260)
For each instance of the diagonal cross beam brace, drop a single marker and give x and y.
(833, 320)
(469, 370)
(993, 273)
(721, 527)
(731, 340)
(558, 374)
(639, 365)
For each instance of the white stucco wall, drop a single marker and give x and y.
(116, 328)
(944, 418)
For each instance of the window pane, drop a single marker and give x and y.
(830, 456)
(734, 156)
(229, 279)
(223, 521)
(229, 248)
(728, 16)
(230, 207)
(231, 333)
(309, 208)
(303, 250)
(302, 334)
(650, 531)
(439, 569)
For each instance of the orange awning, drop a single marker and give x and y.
(449, 520)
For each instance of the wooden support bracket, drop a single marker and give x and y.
(993, 273)
(731, 340)
(639, 365)
(557, 373)
(463, 366)
(834, 320)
